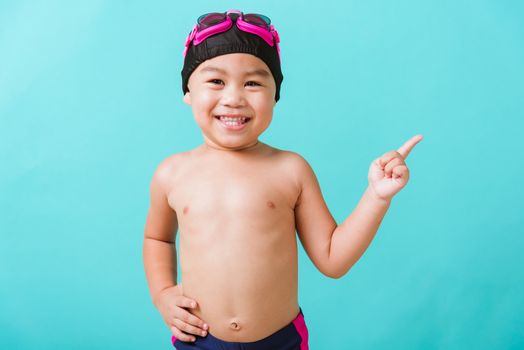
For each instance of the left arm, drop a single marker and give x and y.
(351, 238)
(335, 248)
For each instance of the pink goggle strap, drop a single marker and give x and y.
(271, 37)
(215, 29)
(190, 38)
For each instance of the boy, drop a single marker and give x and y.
(238, 202)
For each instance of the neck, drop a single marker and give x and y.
(242, 149)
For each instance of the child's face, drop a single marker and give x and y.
(231, 90)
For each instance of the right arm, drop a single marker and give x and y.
(159, 254)
(159, 250)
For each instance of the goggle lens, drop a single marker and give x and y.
(258, 20)
(210, 19)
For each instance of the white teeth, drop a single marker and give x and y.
(233, 121)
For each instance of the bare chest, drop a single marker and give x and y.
(233, 191)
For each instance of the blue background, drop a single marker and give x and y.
(90, 103)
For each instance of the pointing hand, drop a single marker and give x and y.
(388, 174)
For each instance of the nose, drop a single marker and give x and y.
(233, 96)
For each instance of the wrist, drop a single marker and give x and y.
(156, 296)
(373, 196)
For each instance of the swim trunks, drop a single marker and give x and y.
(294, 336)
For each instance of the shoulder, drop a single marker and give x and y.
(167, 170)
(295, 165)
(292, 159)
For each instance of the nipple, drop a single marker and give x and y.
(234, 325)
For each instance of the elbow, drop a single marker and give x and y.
(335, 274)
(336, 271)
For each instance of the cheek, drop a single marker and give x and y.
(264, 104)
(204, 97)
(203, 102)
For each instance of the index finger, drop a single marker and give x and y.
(191, 319)
(408, 146)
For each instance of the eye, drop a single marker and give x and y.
(254, 83)
(215, 81)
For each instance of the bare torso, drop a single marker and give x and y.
(238, 248)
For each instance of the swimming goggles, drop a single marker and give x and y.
(215, 22)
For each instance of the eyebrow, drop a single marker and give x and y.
(261, 72)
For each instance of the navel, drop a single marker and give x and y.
(234, 325)
(271, 204)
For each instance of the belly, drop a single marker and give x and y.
(245, 283)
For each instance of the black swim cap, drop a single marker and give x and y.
(233, 40)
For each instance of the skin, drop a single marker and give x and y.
(237, 203)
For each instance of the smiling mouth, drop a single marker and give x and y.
(233, 120)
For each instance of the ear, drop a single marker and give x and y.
(187, 98)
